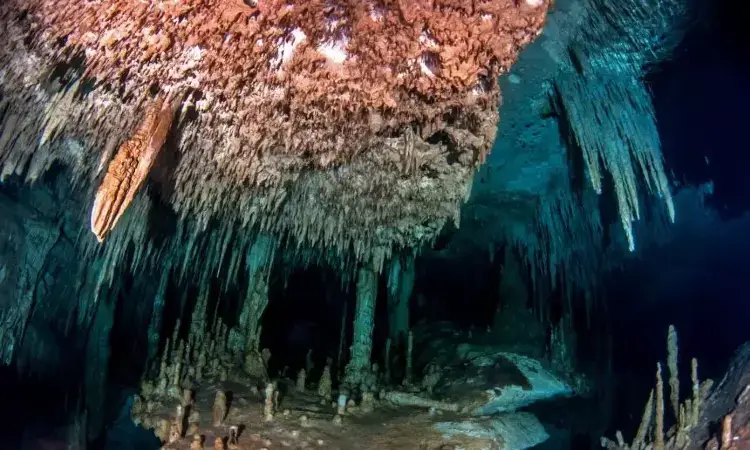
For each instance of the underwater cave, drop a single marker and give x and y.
(374, 224)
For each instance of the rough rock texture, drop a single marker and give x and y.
(376, 112)
(502, 432)
(486, 383)
(130, 167)
(731, 398)
(27, 237)
(528, 193)
(481, 378)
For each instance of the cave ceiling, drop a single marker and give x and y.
(346, 130)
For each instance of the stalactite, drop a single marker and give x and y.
(565, 244)
(130, 167)
(364, 322)
(604, 101)
(627, 113)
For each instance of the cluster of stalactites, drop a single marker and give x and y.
(563, 248)
(606, 103)
(134, 248)
(612, 119)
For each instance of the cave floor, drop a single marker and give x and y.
(386, 426)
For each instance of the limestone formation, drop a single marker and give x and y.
(269, 404)
(324, 384)
(219, 408)
(341, 403)
(130, 167)
(368, 402)
(301, 378)
(270, 114)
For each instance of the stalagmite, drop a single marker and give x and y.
(301, 381)
(674, 375)
(364, 321)
(726, 432)
(233, 434)
(368, 402)
(269, 401)
(324, 385)
(219, 408)
(341, 403)
(659, 422)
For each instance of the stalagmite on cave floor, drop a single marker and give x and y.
(446, 409)
(302, 420)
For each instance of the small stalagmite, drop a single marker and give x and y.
(325, 384)
(342, 403)
(220, 408)
(187, 398)
(268, 405)
(368, 402)
(301, 380)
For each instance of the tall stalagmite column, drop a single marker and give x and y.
(364, 322)
(400, 286)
